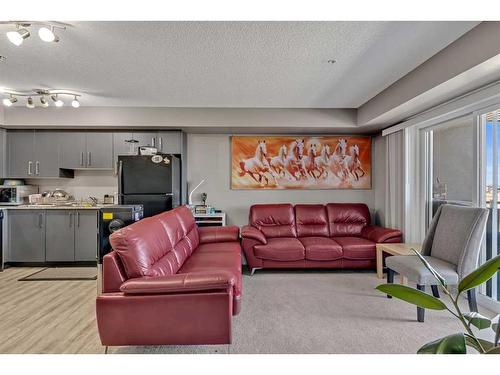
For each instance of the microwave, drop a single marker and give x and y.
(16, 195)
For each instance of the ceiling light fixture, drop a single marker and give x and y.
(9, 101)
(44, 102)
(47, 34)
(17, 37)
(75, 103)
(58, 102)
(43, 94)
(29, 103)
(331, 61)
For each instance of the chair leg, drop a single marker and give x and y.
(390, 278)
(435, 291)
(106, 349)
(471, 297)
(420, 310)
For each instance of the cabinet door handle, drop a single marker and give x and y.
(30, 167)
(37, 168)
(90, 158)
(70, 219)
(153, 142)
(81, 159)
(40, 220)
(160, 143)
(78, 219)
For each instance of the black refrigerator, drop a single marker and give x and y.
(151, 180)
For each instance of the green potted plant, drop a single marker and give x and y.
(458, 342)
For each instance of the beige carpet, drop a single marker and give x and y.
(321, 312)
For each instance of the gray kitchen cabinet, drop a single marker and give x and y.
(60, 235)
(145, 138)
(100, 150)
(72, 150)
(20, 145)
(120, 143)
(86, 236)
(26, 229)
(46, 154)
(169, 142)
(86, 150)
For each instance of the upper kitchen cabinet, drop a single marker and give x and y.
(20, 154)
(32, 154)
(86, 150)
(169, 142)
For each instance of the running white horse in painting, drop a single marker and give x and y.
(352, 163)
(309, 161)
(337, 160)
(257, 166)
(294, 165)
(278, 163)
(323, 161)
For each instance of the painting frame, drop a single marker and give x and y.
(235, 182)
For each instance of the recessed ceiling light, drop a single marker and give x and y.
(17, 37)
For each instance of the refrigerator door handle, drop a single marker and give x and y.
(120, 177)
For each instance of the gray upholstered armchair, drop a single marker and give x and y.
(451, 246)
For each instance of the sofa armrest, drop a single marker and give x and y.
(380, 234)
(228, 233)
(179, 283)
(251, 232)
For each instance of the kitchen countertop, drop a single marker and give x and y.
(54, 207)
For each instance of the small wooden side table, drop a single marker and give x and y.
(394, 249)
(210, 220)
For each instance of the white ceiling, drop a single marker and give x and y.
(225, 64)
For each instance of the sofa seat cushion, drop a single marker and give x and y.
(205, 260)
(321, 248)
(281, 249)
(356, 247)
(219, 247)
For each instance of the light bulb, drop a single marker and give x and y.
(44, 102)
(75, 103)
(30, 103)
(9, 101)
(17, 37)
(58, 102)
(47, 35)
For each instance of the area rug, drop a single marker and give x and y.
(63, 273)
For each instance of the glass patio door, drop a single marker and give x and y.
(489, 190)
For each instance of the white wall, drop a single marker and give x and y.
(209, 158)
(85, 184)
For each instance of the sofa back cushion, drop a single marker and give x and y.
(347, 219)
(274, 220)
(158, 245)
(311, 220)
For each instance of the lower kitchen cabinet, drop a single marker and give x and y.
(60, 235)
(26, 230)
(52, 235)
(86, 232)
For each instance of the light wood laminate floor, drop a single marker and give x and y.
(47, 316)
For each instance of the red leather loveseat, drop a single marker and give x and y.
(336, 235)
(169, 282)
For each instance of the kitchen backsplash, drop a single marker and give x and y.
(85, 184)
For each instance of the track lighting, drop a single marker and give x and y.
(17, 37)
(43, 94)
(9, 101)
(58, 102)
(47, 34)
(75, 103)
(29, 103)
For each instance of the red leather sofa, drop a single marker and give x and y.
(336, 235)
(169, 282)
